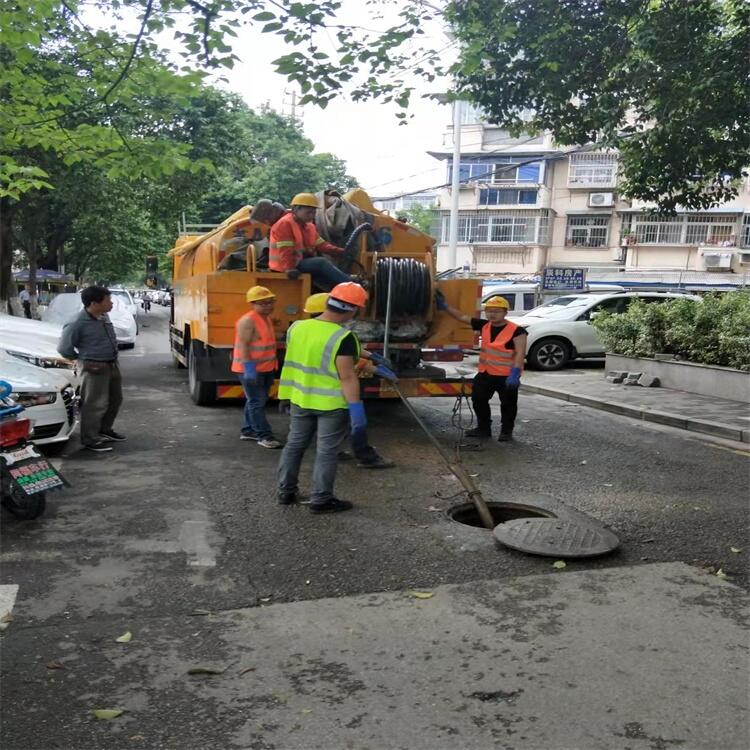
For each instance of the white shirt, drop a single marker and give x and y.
(24, 295)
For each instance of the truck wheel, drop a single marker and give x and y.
(549, 354)
(202, 392)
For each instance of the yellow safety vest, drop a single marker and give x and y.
(309, 377)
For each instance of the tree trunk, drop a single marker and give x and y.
(8, 292)
(33, 254)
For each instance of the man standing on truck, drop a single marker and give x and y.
(254, 361)
(501, 361)
(320, 381)
(295, 244)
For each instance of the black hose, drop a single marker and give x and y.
(348, 259)
(411, 287)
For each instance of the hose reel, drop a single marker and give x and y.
(411, 295)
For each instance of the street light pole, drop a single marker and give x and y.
(455, 182)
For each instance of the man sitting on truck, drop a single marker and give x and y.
(295, 244)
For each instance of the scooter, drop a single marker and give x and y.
(25, 475)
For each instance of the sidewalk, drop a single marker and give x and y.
(688, 411)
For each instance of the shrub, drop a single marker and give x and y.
(714, 331)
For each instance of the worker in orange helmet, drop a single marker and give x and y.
(320, 381)
(254, 361)
(296, 245)
(501, 361)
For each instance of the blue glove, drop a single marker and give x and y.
(384, 372)
(440, 300)
(514, 379)
(250, 374)
(379, 359)
(357, 417)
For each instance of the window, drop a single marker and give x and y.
(506, 227)
(687, 229)
(705, 229)
(527, 173)
(529, 300)
(512, 229)
(507, 197)
(472, 170)
(613, 305)
(658, 230)
(587, 231)
(745, 237)
(592, 169)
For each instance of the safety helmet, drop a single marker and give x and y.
(316, 303)
(258, 294)
(305, 199)
(347, 296)
(497, 303)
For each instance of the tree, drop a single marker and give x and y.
(421, 217)
(663, 81)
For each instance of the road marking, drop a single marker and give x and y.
(193, 541)
(724, 448)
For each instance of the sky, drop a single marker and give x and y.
(385, 157)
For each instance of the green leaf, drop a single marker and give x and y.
(108, 713)
(559, 564)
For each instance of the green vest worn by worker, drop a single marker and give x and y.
(309, 377)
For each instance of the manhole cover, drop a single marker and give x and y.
(553, 537)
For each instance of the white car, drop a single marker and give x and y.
(65, 307)
(559, 330)
(35, 343)
(127, 301)
(48, 397)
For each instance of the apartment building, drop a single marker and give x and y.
(526, 203)
(426, 199)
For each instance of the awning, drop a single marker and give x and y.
(704, 280)
(44, 275)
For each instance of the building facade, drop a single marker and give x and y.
(526, 203)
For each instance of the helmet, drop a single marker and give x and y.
(305, 199)
(259, 293)
(497, 303)
(347, 296)
(316, 303)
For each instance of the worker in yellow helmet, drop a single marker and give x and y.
(296, 245)
(369, 362)
(501, 361)
(254, 361)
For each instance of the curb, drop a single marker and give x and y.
(717, 429)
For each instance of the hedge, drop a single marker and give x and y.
(712, 331)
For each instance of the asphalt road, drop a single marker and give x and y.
(180, 521)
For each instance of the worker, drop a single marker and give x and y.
(295, 244)
(254, 361)
(501, 361)
(320, 381)
(367, 366)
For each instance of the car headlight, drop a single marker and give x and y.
(59, 362)
(34, 398)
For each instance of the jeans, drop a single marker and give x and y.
(101, 398)
(484, 388)
(332, 427)
(324, 274)
(254, 420)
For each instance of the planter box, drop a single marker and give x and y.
(707, 380)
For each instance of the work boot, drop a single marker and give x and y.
(376, 463)
(505, 437)
(477, 432)
(290, 498)
(334, 505)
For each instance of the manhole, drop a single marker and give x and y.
(466, 513)
(554, 537)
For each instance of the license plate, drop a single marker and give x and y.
(28, 451)
(36, 474)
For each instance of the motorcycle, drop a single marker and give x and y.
(25, 475)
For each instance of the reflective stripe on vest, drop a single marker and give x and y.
(495, 358)
(262, 350)
(309, 377)
(305, 237)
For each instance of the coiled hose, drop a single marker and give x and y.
(348, 259)
(411, 295)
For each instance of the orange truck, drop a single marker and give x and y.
(212, 272)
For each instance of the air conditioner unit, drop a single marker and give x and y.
(744, 258)
(717, 261)
(597, 200)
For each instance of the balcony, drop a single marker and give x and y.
(590, 169)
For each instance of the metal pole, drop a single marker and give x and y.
(387, 336)
(455, 182)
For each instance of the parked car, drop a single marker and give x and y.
(127, 300)
(560, 330)
(35, 343)
(47, 396)
(66, 306)
(523, 298)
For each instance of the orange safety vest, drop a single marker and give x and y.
(289, 241)
(495, 358)
(262, 350)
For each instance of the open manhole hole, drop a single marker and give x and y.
(501, 512)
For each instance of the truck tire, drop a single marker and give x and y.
(549, 354)
(202, 392)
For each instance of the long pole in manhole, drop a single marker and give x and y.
(455, 467)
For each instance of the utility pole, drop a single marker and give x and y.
(455, 182)
(293, 106)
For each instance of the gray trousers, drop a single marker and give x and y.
(332, 428)
(101, 398)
